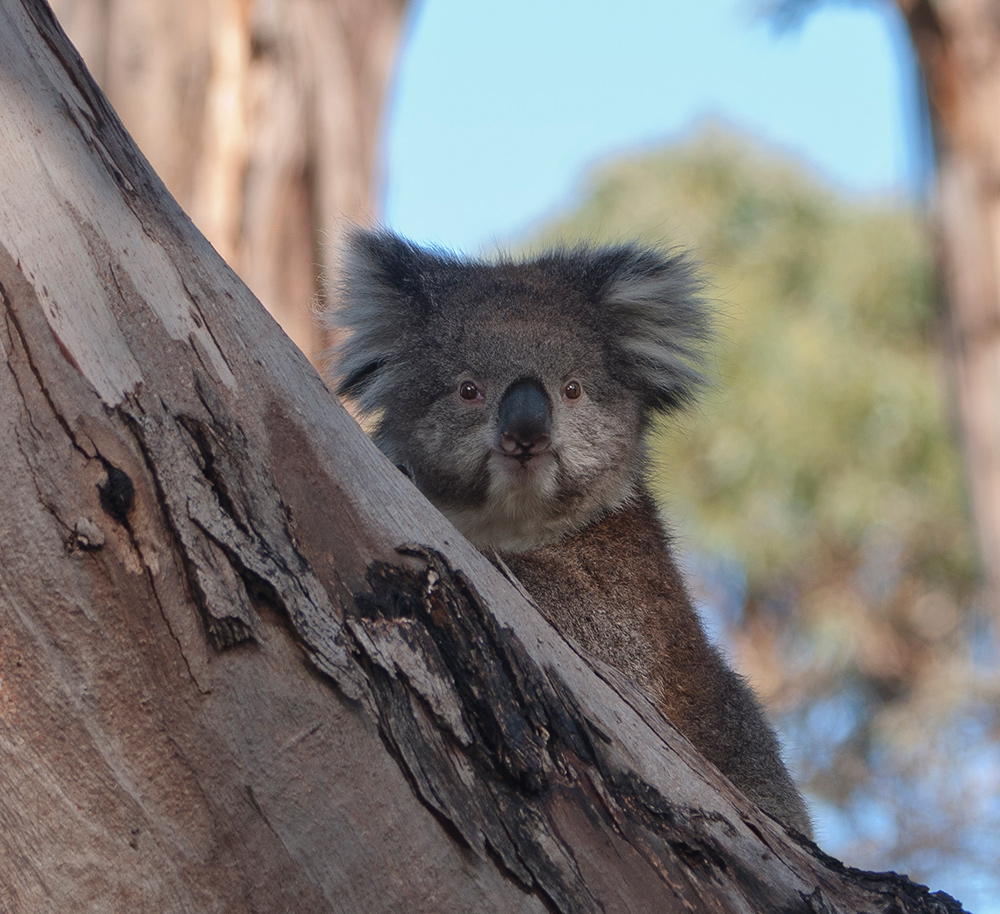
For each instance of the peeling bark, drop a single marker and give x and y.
(244, 666)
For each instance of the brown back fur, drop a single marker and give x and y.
(614, 587)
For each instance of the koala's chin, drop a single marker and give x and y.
(523, 477)
(520, 506)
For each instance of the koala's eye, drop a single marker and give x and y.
(469, 390)
(572, 390)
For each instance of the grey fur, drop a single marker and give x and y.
(572, 353)
(422, 321)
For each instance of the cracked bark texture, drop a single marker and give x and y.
(244, 666)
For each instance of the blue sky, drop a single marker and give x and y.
(500, 109)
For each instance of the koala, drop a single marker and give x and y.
(517, 395)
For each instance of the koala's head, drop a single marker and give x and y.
(516, 394)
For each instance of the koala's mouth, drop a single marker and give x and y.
(522, 470)
(524, 460)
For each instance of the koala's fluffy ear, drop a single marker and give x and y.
(658, 323)
(382, 296)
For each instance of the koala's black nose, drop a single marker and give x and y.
(525, 419)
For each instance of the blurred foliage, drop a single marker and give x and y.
(818, 493)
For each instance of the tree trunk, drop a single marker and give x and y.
(263, 119)
(225, 682)
(958, 49)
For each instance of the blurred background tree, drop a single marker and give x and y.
(262, 117)
(957, 44)
(820, 498)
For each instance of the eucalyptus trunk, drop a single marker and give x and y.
(244, 665)
(958, 48)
